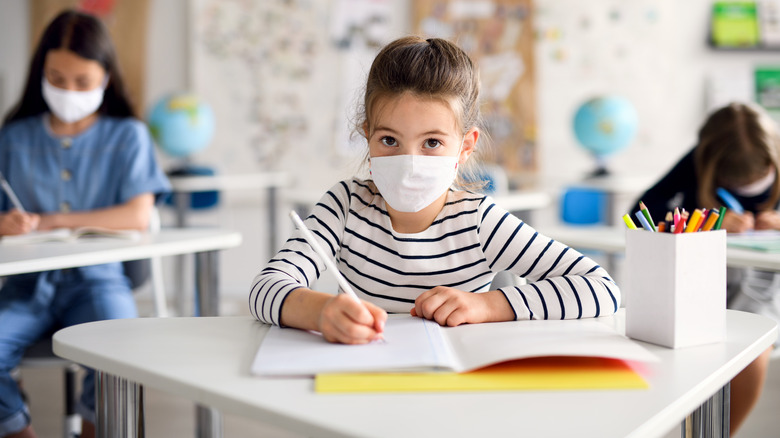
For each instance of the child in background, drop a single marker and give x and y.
(75, 156)
(404, 239)
(738, 149)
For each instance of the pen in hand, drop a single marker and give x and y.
(307, 234)
(11, 195)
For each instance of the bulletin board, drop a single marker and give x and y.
(499, 37)
(283, 77)
(126, 21)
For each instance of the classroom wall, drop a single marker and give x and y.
(650, 51)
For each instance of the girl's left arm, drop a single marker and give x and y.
(562, 283)
(131, 215)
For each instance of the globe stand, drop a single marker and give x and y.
(601, 170)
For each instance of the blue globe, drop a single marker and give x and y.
(181, 124)
(605, 125)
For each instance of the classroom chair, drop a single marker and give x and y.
(584, 206)
(40, 354)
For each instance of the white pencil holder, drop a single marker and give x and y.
(676, 287)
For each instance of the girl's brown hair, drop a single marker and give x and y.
(737, 144)
(430, 68)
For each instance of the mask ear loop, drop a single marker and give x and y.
(460, 149)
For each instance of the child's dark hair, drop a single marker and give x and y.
(737, 145)
(88, 38)
(430, 68)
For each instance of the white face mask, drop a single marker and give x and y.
(71, 106)
(410, 183)
(758, 187)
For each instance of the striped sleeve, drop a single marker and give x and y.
(296, 265)
(562, 283)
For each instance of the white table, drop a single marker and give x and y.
(203, 242)
(613, 240)
(184, 186)
(208, 359)
(513, 200)
(20, 259)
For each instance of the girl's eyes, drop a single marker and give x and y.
(388, 141)
(432, 143)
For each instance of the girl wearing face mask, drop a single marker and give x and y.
(75, 156)
(407, 239)
(738, 149)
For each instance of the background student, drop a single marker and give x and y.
(404, 239)
(75, 155)
(739, 150)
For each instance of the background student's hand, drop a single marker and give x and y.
(768, 220)
(346, 321)
(16, 222)
(452, 307)
(738, 223)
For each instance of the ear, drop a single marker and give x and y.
(469, 145)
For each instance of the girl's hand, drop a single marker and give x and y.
(768, 220)
(16, 222)
(452, 307)
(738, 223)
(346, 321)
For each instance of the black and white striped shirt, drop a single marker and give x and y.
(471, 239)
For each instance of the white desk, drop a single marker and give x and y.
(208, 359)
(19, 259)
(515, 200)
(613, 240)
(203, 242)
(184, 186)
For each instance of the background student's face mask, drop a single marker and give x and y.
(69, 105)
(410, 183)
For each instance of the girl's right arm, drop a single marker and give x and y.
(281, 292)
(338, 317)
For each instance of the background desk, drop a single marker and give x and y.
(205, 242)
(184, 186)
(514, 200)
(208, 359)
(613, 240)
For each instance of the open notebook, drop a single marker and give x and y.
(761, 240)
(415, 344)
(68, 235)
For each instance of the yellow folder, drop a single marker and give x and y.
(532, 374)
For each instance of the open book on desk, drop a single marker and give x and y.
(760, 240)
(69, 235)
(416, 344)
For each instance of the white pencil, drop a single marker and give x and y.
(10, 192)
(323, 255)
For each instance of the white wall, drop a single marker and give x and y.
(662, 69)
(14, 51)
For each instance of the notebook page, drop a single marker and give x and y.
(478, 345)
(410, 344)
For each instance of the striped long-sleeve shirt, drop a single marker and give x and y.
(470, 240)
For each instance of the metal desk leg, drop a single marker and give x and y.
(208, 420)
(119, 406)
(272, 225)
(712, 419)
(180, 298)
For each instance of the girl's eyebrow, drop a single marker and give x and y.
(392, 131)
